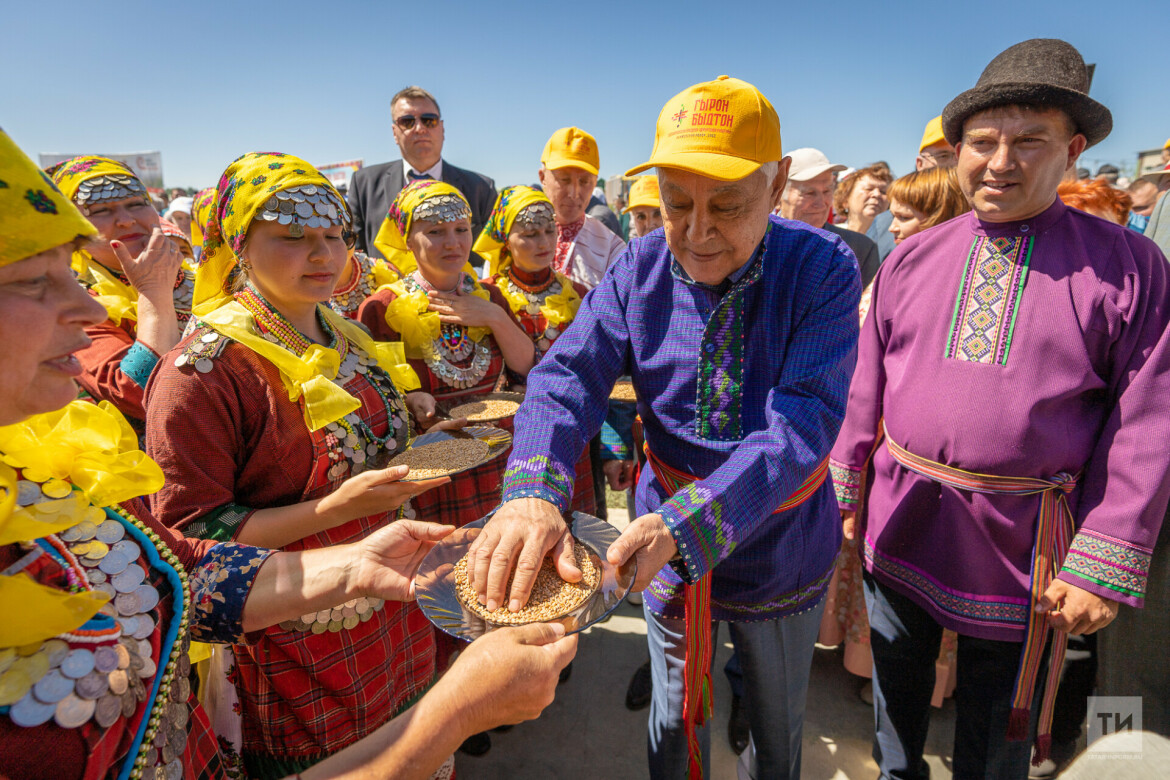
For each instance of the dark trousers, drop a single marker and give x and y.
(905, 640)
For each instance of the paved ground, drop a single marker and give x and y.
(588, 733)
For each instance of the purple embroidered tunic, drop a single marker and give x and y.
(1016, 349)
(742, 386)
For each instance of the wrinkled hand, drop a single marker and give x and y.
(518, 536)
(619, 474)
(388, 559)
(462, 308)
(507, 676)
(1075, 610)
(649, 540)
(153, 272)
(849, 523)
(373, 492)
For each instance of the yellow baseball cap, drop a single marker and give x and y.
(571, 147)
(722, 129)
(1167, 144)
(644, 194)
(933, 133)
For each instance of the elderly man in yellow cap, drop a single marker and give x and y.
(645, 206)
(568, 174)
(933, 150)
(739, 331)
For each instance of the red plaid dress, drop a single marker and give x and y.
(91, 752)
(535, 326)
(230, 442)
(472, 494)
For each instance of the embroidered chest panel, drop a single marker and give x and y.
(719, 402)
(988, 302)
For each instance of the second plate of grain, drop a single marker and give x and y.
(488, 408)
(446, 453)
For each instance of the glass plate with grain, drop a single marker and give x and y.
(446, 453)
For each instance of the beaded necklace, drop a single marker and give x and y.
(351, 442)
(526, 298)
(454, 346)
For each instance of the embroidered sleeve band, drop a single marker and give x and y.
(539, 477)
(1108, 563)
(846, 483)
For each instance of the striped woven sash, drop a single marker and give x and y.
(1054, 532)
(697, 703)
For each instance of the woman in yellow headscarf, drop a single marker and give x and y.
(98, 600)
(135, 271)
(269, 420)
(519, 243)
(459, 335)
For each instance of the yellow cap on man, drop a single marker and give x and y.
(571, 147)
(723, 129)
(933, 133)
(644, 194)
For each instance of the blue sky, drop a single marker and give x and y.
(204, 82)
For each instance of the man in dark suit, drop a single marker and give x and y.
(418, 131)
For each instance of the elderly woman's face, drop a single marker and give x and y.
(130, 220)
(182, 221)
(713, 226)
(440, 248)
(292, 270)
(533, 247)
(868, 198)
(43, 316)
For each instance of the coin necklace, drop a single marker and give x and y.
(97, 671)
(351, 441)
(347, 300)
(534, 297)
(454, 345)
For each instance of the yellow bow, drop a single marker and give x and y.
(93, 447)
(409, 314)
(311, 375)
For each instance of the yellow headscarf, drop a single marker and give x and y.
(93, 449)
(34, 215)
(119, 298)
(509, 204)
(243, 189)
(201, 211)
(242, 192)
(391, 238)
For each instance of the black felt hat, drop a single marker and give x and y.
(1042, 72)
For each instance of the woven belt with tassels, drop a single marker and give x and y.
(697, 605)
(1054, 532)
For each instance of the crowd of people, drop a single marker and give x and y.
(207, 567)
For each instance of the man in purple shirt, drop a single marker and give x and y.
(738, 330)
(1006, 427)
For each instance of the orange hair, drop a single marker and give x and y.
(1096, 196)
(935, 192)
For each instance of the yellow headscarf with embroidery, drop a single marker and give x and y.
(391, 238)
(509, 204)
(34, 215)
(242, 192)
(557, 309)
(95, 450)
(201, 210)
(119, 298)
(243, 189)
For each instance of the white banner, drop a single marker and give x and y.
(146, 165)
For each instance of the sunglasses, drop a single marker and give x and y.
(406, 121)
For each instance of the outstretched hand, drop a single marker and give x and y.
(649, 541)
(388, 559)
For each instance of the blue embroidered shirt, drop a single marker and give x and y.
(742, 385)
